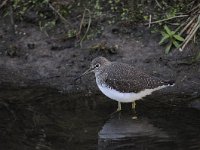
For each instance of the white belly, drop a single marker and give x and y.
(126, 97)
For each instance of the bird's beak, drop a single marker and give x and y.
(85, 73)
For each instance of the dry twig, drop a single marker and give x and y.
(81, 25)
(60, 16)
(174, 17)
(183, 30)
(158, 4)
(191, 34)
(3, 3)
(149, 21)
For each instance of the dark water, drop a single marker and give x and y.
(44, 119)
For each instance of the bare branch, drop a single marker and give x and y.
(61, 17)
(3, 3)
(158, 21)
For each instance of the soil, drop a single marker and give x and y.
(32, 58)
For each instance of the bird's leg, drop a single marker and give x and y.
(119, 107)
(133, 108)
(133, 105)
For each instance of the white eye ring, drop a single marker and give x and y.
(97, 65)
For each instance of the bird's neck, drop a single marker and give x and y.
(100, 77)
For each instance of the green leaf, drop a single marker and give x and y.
(167, 30)
(164, 33)
(146, 17)
(179, 38)
(164, 38)
(172, 33)
(176, 44)
(168, 48)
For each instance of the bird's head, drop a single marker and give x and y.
(96, 65)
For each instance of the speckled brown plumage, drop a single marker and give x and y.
(125, 78)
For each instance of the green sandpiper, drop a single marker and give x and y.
(122, 82)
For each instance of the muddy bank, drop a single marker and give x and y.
(32, 58)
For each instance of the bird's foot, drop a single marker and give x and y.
(134, 117)
(116, 111)
(119, 108)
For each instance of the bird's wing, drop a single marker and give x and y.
(128, 79)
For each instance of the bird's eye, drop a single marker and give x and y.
(97, 65)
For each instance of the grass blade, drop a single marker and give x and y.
(179, 38)
(168, 48)
(164, 38)
(175, 43)
(167, 30)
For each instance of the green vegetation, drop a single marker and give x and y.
(181, 24)
(86, 19)
(172, 39)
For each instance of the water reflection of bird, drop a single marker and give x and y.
(134, 134)
(122, 82)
